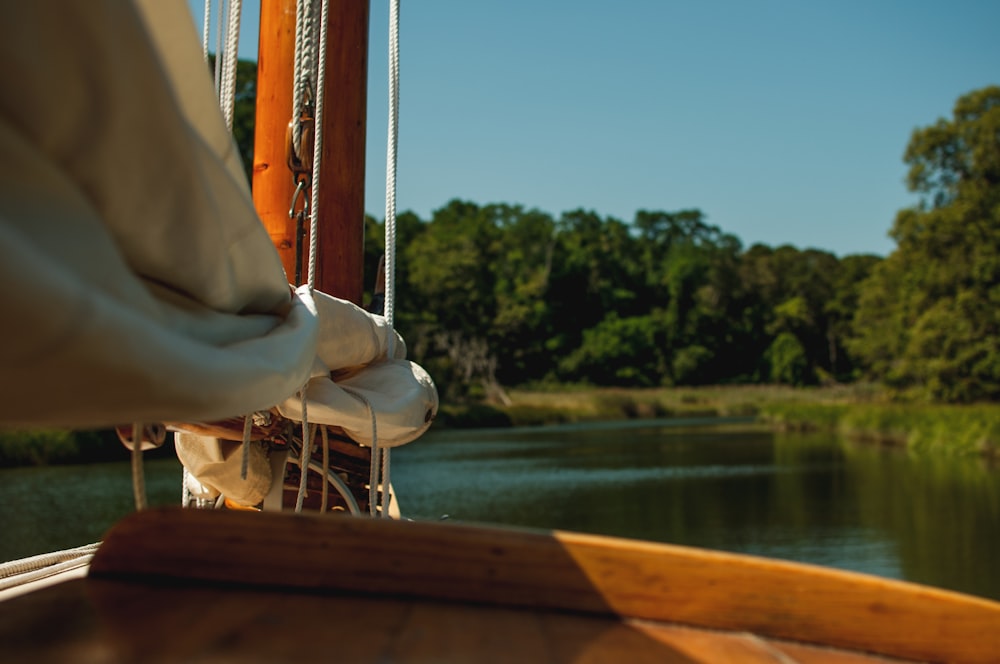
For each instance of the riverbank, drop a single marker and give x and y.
(860, 412)
(941, 429)
(583, 404)
(856, 411)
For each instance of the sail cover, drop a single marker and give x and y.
(138, 282)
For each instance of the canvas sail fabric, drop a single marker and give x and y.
(354, 378)
(138, 282)
(356, 384)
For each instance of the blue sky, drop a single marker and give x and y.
(783, 121)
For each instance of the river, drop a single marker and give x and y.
(720, 484)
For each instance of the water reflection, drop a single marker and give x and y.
(811, 498)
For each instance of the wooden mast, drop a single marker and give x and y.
(340, 269)
(340, 256)
(273, 185)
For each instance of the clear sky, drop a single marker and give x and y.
(784, 121)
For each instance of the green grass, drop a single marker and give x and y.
(860, 412)
(582, 403)
(947, 429)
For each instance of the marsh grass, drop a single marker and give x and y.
(950, 429)
(583, 404)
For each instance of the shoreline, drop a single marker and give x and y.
(858, 412)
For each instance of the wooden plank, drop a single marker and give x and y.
(582, 573)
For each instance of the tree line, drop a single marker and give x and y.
(498, 295)
(492, 295)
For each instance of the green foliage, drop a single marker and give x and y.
(617, 351)
(52, 447)
(928, 318)
(787, 360)
(498, 294)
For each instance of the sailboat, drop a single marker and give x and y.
(210, 317)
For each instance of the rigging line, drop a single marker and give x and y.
(219, 32)
(185, 489)
(206, 28)
(392, 142)
(390, 171)
(138, 477)
(386, 484)
(333, 479)
(313, 231)
(19, 572)
(304, 65)
(325, 495)
(318, 142)
(307, 444)
(373, 478)
(231, 56)
(245, 460)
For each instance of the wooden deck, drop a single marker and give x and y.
(216, 586)
(99, 620)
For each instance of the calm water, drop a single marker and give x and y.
(811, 498)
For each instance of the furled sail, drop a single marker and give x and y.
(138, 282)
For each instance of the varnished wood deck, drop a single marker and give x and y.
(111, 621)
(210, 586)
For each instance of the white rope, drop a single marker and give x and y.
(337, 483)
(138, 477)
(306, 454)
(325, 499)
(305, 65)
(301, 7)
(386, 484)
(206, 28)
(318, 144)
(390, 171)
(392, 143)
(185, 489)
(245, 461)
(376, 465)
(228, 95)
(219, 34)
(26, 570)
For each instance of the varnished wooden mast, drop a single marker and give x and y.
(273, 185)
(340, 256)
(340, 269)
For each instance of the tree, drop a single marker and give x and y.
(928, 320)
(618, 351)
